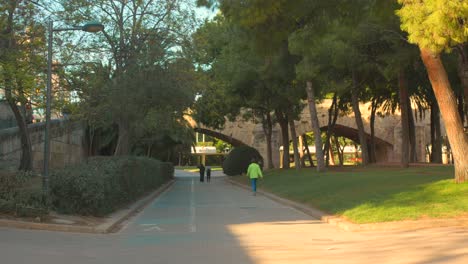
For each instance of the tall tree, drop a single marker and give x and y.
(435, 26)
(21, 40)
(230, 71)
(138, 35)
(272, 72)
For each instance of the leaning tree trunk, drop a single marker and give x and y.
(283, 123)
(292, 128)
(315, 127)
(359, 123)
(306, 147)
(267, 127)
(436, 136)
(453, 123)
(26, 146)
(405, 137)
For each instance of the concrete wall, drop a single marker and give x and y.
(7, 118)
(66, 145)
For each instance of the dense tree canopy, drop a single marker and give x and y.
(355, 48)
(257, 60)
(148, 84)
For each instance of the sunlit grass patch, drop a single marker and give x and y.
(369, 195)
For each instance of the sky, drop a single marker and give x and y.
(203, 12)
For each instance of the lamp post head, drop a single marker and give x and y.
(93, 27)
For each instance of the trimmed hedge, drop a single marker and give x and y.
(104, 184)
(238, 160)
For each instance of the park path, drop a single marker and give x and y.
(216, 222)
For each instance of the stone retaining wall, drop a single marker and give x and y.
(66, 145)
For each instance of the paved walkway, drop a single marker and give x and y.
(217, 222)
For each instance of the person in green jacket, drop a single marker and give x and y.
(254, 172)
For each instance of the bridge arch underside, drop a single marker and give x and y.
(382, 147)
(233, 141)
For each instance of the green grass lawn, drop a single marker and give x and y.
(374, 194)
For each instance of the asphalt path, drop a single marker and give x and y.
(216, 222)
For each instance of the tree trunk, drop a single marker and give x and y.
(453, 123)
(374, 105)
(301, 151)
(359, 123)
(412, 133)
(315, 127)
(292, 127)
(123, 141)
(436, 136)
(169, 155)
(148, 151)
(267, 127)
(356, 153)
(26, 146)
(283, 123)
(340, 151)
(332, 117)
(463, 74)
(306, 146)
(460, 105)
(405, 138)
(331, 155)
(7, 43)
(90, 131)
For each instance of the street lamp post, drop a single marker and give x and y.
(88, 27)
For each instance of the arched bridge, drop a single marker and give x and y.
(387, 132)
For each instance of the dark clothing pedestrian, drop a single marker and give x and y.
(202, 172)
(208, 173)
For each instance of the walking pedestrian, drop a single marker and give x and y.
(254, 172)
(202, 172)
(208, 173)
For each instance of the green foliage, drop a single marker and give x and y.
(147, 83)
(21, 195)
(21, 49)
(104, 184)
(239, 159)
(435, 24)
(221, 146)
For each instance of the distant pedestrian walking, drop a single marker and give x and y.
(208, 173)
(202, 172)
(254, 172)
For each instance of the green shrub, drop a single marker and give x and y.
(21, 196)
(7, 206)
(104, 184)
(238, 160)
(11, 181)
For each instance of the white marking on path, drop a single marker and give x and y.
(192, 226)
(151, 227)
